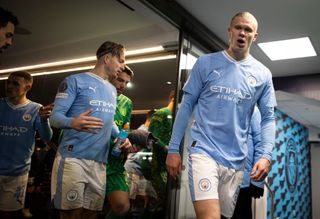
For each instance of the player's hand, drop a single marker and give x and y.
(86, 123)
(126, 146)
(260, 170)
(45, 111)
(173, 163)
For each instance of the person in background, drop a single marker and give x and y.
(117, 186)
(141, 192)
(146, 124)
(146, 169)
(250, 189)
(222, 90)
(84, 108)
(8, 22)
(20, 119)
(160, 127)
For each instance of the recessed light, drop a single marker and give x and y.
(288, 49)
(130, 85)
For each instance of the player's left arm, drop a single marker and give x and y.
(262, 167)
(266, 104)
(43, 125)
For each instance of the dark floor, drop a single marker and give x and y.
(40, 208)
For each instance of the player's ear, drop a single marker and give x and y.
(255, 37)
(28, 87)
(106, 58)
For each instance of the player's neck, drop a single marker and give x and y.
(99, 71)
(18, 100)
(237, 55)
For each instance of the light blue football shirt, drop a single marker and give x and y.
(18, 126)
(77, 94)
(222, 93)
(255, 149)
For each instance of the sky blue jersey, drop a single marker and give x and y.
(18, 126)
(77, 94)
(222, 93)
(255, 149)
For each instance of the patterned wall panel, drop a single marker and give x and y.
(290, 176)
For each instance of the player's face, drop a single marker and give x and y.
(121, 82)
(242, 33)
(16, 87)
(114, 65)
(6, 34)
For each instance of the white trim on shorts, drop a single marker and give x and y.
(210, 180)
(78, 183)
(13, 192)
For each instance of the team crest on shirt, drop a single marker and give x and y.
(27, 117)
(252, 81)
(204, 185)
(72, 195)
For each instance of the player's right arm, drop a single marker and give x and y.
(65, 97)
(192, 91)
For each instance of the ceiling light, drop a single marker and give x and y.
(57, 71)
(84, 68)
(288, 49)
(129, 85)
(144, 51)
(51, 64)
(80, 60)
(63, 70)
(151, 59)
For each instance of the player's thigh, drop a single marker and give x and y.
(229, 188)
(95, 189)
(68, 183)
(203, 177)
(13, 192)
(207, 209)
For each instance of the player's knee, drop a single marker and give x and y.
(120, 207)
(119, 202)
